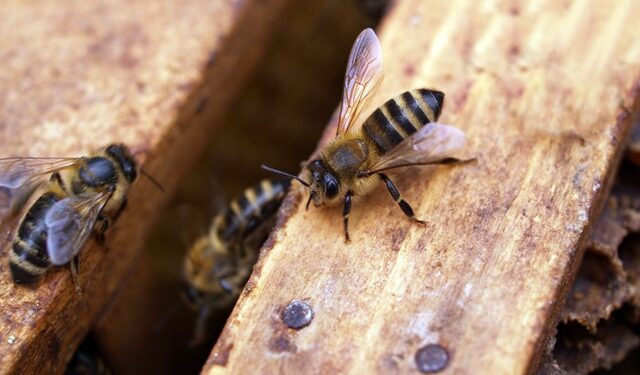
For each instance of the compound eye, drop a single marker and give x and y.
(226, 286)
(331, 186)
(97, 171)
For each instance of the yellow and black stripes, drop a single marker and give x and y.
(29, 258)
(402, 116)
(248, 211)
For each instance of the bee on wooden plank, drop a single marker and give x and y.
(400, 133)
(82, 194)
(219, 263)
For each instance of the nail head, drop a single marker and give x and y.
(298, 314)
(431, 358)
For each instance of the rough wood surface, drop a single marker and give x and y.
(540, 89)
(79, 75)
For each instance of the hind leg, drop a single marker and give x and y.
(395, 194)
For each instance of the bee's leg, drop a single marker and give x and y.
(202, 323)
(395, 194)
(345, 215)
(74, 274)
(102, 224)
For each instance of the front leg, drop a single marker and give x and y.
(102, 224)
(200, 332)
(345, 215)
(395, 194)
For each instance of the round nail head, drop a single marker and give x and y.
(432, 358)
(298, 314)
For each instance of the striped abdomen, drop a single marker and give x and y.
(29, 257)
(402, 116)
(248, 211)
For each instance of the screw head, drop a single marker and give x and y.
(298, 314)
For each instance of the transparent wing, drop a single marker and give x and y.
(11, 200)
(69, 223)
(19, 177)
(364, 72)
(431, 144)
(17, 172)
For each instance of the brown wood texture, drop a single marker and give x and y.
(77, 76)
(541, 89)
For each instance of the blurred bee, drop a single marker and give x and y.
(219, 263)
(81, 193)
(400, 133)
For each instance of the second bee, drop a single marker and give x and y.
(219, 263)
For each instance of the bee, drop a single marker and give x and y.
(219, 263)
(400, 133)
(82, 194)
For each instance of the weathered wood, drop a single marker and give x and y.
(76, 76)
(539, 90)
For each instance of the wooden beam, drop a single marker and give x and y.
(541, 91)
(78, 76)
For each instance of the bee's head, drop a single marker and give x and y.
(204, 271)
(122, 156)
(324, 186)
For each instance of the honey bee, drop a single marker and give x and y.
(402, 132)
(219, 263)
(82, 194)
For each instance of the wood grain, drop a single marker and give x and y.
(154, 75)
(541, 90)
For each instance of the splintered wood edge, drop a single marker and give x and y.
(523, 100)
(177, 89)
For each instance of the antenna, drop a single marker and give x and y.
(153, 180)
(273, 170)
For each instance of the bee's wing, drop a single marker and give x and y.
(18, 171)
(69, 223)
(364, 72)
(20, 176)
(431, 144)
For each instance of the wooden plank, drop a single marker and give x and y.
(538, 89)
(297, 81)
(78, 76)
